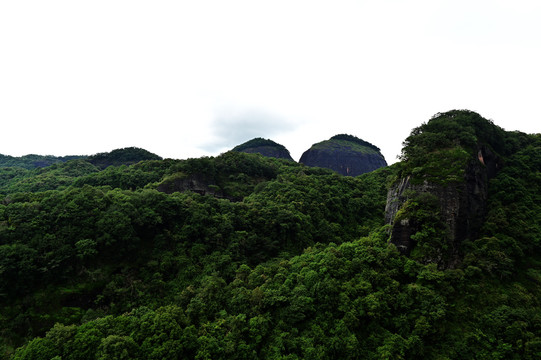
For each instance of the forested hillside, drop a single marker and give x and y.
(242, 256)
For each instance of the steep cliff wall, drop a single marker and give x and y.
(430, 219)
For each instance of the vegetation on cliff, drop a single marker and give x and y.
(297, 265)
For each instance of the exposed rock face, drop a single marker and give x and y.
(344, 154)
(462, 206)
(264, 147)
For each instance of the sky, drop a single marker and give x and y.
(195, 78)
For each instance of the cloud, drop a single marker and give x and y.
(233, 127)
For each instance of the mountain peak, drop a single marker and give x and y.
(124, 156)
(264, 147)
(345, 154)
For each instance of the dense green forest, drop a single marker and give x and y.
(274, 260)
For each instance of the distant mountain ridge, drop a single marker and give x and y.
(346, 154)
(117, 157)
(33, 161)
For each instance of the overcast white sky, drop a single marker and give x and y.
(192, 78)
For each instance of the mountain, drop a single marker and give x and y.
(125, 156)
(242, 256)
(264, 147)
(345, 154)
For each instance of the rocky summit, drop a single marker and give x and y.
(345, 154)
(264, 147)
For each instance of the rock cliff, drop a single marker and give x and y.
(440, 199)
(345, 154)
(461, 207)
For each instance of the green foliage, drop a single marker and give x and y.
(442, 167)
(439, 151)
(30, 162)
(124, 177)
(232, 175)
(92, 249)
(453, 128)
(431, 233)
(285, 262)
(57, 176)
(513, 224)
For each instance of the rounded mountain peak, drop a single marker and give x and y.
(346, 154)
(264, 147)
(124, 156)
